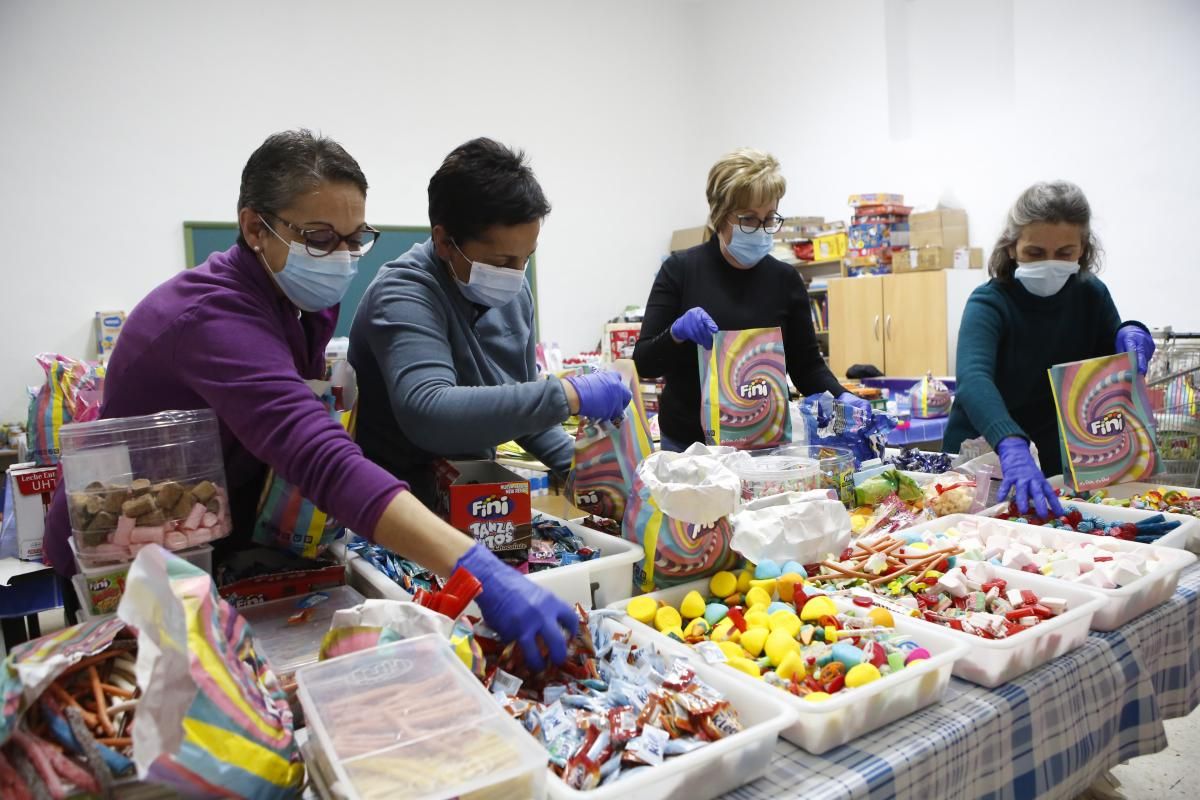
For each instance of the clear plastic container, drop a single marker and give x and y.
(409, 720)
(1121, 604)
(837, 467)
(770, 474)
(288, 640)
(100, 586)
(157, 479)
(820, 727)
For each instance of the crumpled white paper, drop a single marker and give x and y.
(693, 486)
(796, 526)
(403, 619)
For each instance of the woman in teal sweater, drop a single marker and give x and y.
(1043, 306)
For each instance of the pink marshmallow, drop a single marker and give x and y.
(199, 536)
(105, 552)
(147, 535)
(175, 540)
(194, 518)
(209, 521)
(125, 526)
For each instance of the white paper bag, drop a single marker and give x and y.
(797, 526)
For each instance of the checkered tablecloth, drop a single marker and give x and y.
(1049, 733)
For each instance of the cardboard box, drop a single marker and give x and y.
(32, 490)
(688, 237)
(876, 199)
(108, 327)
(925, 259)
(945, 227)
(619, 339)
(488, 503)
(968, 258)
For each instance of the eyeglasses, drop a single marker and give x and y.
(750, 223)
(323, 241)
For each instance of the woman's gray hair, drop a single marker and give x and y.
(1051, 202)
(290, 163)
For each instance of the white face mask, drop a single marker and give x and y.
(491, 286)
(1045, 278)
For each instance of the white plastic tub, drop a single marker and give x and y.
(819, 727)
(1121, 604)
(1187, 534)
(1124, 491)
(608, 578)
(716, 768)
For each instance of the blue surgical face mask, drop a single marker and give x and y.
(1045, 278)
(749, 248)
(491, 286)
(314, 283)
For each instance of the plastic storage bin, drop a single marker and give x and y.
(770, 474)
(608, 578)
(100, 586)
(139, 480)
(1121, 604)
(409, 720)
(820, 727)
(837, 466)
(1182, 538)
(288, 645)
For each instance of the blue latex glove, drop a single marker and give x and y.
(695, 326)
(851, 399)
(519, 610)
(1132, 339)
(1022, 474)
(602, 395)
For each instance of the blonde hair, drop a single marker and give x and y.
(745, 178)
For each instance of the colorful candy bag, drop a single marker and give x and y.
(832, 422)
(221, 725)
(679, 514)
(72, 393)
(744, 390)
(607, 455)
(1105, 423)
(930, 398)
(289, 521)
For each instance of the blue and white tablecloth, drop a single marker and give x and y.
(1049, 733)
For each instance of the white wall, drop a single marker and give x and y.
(122, 119)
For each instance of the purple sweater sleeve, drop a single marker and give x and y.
(244, 370)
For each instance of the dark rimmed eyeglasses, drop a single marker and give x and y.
(748, 223)
(323, 241)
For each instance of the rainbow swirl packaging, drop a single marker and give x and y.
(744, 390)
(1105, 423)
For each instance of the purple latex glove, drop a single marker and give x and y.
(602, 395)
(519, 610)
(1022, 474)
(851, 399)
(695, 326)
(1133, 339)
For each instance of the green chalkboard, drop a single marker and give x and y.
(200, 239)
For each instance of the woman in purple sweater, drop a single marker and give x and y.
(242, 332)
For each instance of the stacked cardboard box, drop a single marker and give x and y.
(878, 230)
(939, 240)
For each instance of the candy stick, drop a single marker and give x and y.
(116, 690)
(30, 775)
(116, 741)
(101, 706)
(62, 696)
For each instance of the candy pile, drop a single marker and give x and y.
(408, 575)
(1172, 501)
(785, 632)
(969, 599)
(891, 564)
(1147, 531)
(113, 522)
(911, 459)
(614, 708)
(79, 734)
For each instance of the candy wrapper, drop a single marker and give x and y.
(831, 422)
(607, 454)
(679, 515)
(744, 390)
(911, 459)
(930, 398)
(219, 724)
(72, 393)
(1106, 426)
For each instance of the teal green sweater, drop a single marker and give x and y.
(1008, 339)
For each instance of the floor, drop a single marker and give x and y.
(1172, 774)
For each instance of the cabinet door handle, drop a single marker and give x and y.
(875, 327)
(888, 327)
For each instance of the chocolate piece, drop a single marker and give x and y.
(114, 499)
(155, 517)
(139, 487)
(204, 491)
(213, 505)
(183, 506)
(102, 522)
(138, 506)
(168, 494)
(94, 505)
(79, 502)
(95, 486)
(94, 538)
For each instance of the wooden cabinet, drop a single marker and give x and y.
(906, 324)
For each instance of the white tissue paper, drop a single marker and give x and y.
(693, 486)
(796, 526)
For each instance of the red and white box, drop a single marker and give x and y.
(32, 490)
(487, 502)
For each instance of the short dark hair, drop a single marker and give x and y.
(483, 183)
(1052, 202)
(289, 163)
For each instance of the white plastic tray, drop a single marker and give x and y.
(1123, 491)
(1121, 604)
(609, 577)
(716, 768)
(1182, 538)
(819, 727)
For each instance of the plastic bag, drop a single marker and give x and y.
(875, 489)
(832, 422)
(798, 526)
(744, 390)
(930, 398)
(955, 493)
(73, 392)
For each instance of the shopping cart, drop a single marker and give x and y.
(1171, 382)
